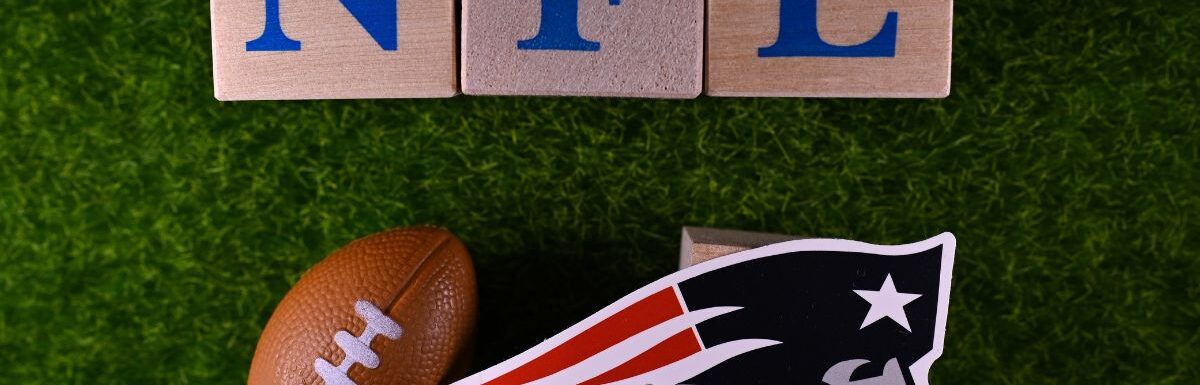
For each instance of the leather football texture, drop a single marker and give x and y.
(397, 307)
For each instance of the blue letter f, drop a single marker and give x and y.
(559, 29)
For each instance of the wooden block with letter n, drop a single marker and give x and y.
(620, 48)
(333, 49)
(699, 244)
(829, 48)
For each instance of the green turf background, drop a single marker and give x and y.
(146, 230)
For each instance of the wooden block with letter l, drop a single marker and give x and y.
(333, 49)
(618, 48)
(699, 244)
(829, 48)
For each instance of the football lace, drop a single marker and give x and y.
(358, 349)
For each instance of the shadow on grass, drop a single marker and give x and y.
(527, 298)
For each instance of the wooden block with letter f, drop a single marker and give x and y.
(333, 49)
(620, 48)
(829, 48)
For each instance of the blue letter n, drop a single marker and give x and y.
(378, 17)
(799, 37)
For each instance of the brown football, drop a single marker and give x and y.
(396, 307)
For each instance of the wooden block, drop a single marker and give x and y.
(828, 48)
(330, 49)
(699, 244)
(625, 48)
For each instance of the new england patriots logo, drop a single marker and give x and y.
(814, 311)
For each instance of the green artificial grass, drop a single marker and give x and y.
(147, 231)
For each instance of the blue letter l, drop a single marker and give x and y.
(799, 37)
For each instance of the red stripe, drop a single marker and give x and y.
(676, 348)
(627, 322)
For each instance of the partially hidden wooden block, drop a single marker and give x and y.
(829, 48)
(331, 49)
(622, 48)
(699, 244)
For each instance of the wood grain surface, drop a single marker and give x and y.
(648, 48)
(920, 69)
(339, 59)
(699, 244)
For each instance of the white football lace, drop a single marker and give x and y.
(358, 349)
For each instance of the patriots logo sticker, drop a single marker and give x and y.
(813, 311)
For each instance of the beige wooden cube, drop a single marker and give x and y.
(332, 49)
(829, 48)
(620, 48)
(699, 244)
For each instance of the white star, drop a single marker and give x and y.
(886, 302)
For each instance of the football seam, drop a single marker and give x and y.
(413, 276)
(408, 282)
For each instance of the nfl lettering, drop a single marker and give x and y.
(559, 30)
